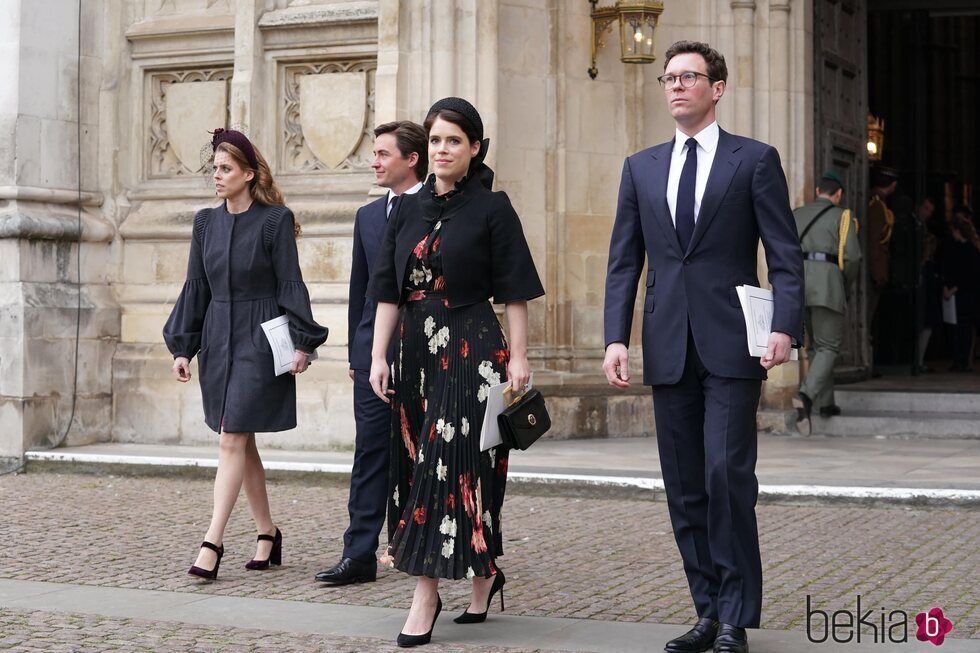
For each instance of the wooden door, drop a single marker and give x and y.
(840, 141)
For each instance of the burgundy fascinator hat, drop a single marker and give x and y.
(238, 139)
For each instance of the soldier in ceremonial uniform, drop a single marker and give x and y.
(880, 222)
(832, 255)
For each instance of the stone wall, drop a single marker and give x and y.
(308, 80)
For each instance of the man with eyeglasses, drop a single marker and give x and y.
(695, 207)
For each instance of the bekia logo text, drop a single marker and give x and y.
(875, 626)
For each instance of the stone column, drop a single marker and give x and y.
(744, 14)
(50, 222)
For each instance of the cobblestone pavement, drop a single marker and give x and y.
(592, 558)
(52, 631)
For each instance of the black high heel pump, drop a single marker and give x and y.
(408, 641)
(476, 618)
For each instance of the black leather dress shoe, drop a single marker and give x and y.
(803, 406)
(698, 639)
(833, 410)
(349, 571)
(731, 639)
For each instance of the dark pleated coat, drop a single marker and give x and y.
(243, 270)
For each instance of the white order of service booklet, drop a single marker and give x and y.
(757, 307)
(277, 332)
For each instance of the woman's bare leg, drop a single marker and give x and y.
(227, 486)
(258, 498)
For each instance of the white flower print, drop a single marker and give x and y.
(417, 276)
(421, 457)
(441, 424)
(422, 382)
(447, 548)
(481, 394)
(448, 431)
(487, 519)
(430, 326)
(470, 573)
(485, 369)
(440, 339)
(493, 457)
(395, 497)
(494, 379)
(448, 526)
(464, 426)
(441, 470)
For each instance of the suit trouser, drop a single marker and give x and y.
(369, 476)
(825, 328)
(707, 437)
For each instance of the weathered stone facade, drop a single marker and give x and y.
(308, 80)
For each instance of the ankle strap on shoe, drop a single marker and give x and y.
(207, 545)
(265, 538)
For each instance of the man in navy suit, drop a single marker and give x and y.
(696, 208)
(400, 164)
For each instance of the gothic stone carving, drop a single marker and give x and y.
(307, 152)
(176, 156)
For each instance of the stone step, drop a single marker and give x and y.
(948, 403)
(899, 424)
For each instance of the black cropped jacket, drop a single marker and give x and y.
(484, 252)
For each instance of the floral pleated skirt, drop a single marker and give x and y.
(445, 494)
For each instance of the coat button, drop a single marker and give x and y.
(687, 262)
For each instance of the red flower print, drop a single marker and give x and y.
(440, 283)
(451, 501)
(407, 433)
(436, 243)
(445, 303)
(501, 467)
(464, 348)
(419, 516)
(501, 355)
(401, 523)
(478, 543)
(933, 626)
(420, 248)
(466, 493)
(444, 361)
(401, 330)
(416, 295)
(432, 432)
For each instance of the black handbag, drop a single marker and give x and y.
(524, 421)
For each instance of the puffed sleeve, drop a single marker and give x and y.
(182, 332)
(291, 292)
(383, 286)
(513, 275)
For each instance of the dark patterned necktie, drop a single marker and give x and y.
(684, 212)
(392, 205)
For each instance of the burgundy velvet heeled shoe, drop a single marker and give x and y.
(275, 556)
(208, 574)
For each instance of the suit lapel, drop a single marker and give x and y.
(719, 179)
(656, 187)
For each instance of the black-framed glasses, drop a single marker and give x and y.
(687, 79)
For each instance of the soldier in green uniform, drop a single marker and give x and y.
(828, 237)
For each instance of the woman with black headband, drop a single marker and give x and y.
(243, 270)
(446, 252)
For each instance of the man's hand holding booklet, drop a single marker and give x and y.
(757, 307)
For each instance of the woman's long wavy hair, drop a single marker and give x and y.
(263, 187)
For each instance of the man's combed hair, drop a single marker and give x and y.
(409, 137)
(717, 69)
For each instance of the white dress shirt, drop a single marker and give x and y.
(707, 140)
(411, 191)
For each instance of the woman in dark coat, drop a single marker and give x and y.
(243, 270)
(447, 251)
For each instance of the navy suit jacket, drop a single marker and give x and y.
(369, 228)
(745, 199)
